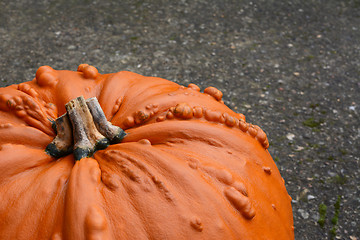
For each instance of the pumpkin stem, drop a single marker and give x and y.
(87, 139)
(111, 132)
(83, 129)
(62, 143)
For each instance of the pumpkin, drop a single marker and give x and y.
(85, 155)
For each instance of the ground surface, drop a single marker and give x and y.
(292, 67)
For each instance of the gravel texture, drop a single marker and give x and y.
(292, 67)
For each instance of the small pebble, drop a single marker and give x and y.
(311, 197)
(290, 136)
(71, 47)
(304, 214)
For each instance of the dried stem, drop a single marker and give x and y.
(63, 142)
(113, 133)
(83, 129)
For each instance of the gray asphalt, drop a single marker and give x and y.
(292, 67)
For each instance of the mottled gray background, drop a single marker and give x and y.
(292, 67)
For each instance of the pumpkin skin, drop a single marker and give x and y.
(189, 167)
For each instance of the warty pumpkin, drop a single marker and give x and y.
(180, 164)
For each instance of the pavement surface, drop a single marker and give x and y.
(292, 67)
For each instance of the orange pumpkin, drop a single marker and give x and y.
(188, 167)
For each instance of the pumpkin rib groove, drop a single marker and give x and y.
(137, 89)
(125, 155)
(197, 129)
(193, 121)
(12, 165)
(133, 145)
(218, 190)
(134, 207)
(54, 202)
(24, 135)
(125, 205)
(144, 222)
(157, 164)
(165, 138)
(220, 178)
(114, 85)
(31, 204)
(146, 168)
